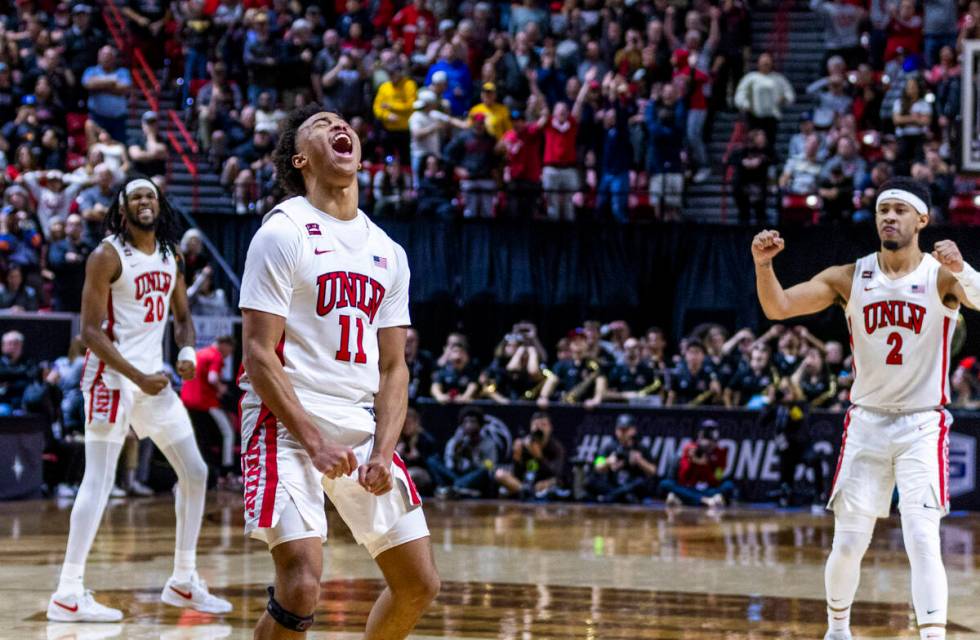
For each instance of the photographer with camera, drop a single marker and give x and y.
(701, 471)
(538, 462)
(788, 415)
(623, 470)
(469, 460)
(515, 373)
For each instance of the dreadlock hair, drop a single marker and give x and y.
(167, 231)
(288, 177)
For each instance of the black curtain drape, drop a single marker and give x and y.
(482, 276)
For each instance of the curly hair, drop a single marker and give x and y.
(168, 230)
(288, 177)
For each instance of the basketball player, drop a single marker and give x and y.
(131, 281)
(325, 314)
(901, 306)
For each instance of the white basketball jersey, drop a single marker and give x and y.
(336, 283)
(138, 308)
(900, 337)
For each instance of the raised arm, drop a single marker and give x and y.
(826, 288)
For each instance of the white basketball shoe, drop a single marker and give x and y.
(193, 594)
(80, 607)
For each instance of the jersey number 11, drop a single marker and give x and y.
(343, 354)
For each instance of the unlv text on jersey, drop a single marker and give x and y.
(341, 289)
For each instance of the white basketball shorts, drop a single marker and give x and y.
(281, 483)
(880, 450)
(109, 412)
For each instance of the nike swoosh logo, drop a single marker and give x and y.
(870, 288)
(320, 252)
(66, 607)
(931, 611)
(186, 595)
(925, 506)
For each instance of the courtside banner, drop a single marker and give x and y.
(753, 454)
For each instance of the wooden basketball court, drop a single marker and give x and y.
(509, 571)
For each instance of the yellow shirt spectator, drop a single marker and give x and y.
(498, 116)
(393, 104)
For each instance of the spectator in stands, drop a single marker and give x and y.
(393, 193)
(108, 87)
(66, 260)
(690, 383)
(617, 156)
(969, 24)
(455, 74)
(219, 102)
(457, 380)
(761, 94)
(25, 128)
(665, 121)
(16, 294)
(296, 59)
(813, 383)
(17, 373)
(634, 381)
(82, 43)
(515, 372)
(700, 472)
(796, 445)
(754, 383)
(831, 93)
(415, 447)
(560, 175)
(246, 163)
(192, 251)
(801, 174)
(734, 49)
(54, 197)
(939, 28)
(204, 392)
(393, 105)
(868, 94)
(435, 190)
(538, 462)
(66, 374)
(841, 29)
(148, 152)
(750, 181)
(912, 116)
(623, 471)
(419, 363)
(577, 379)
(496, 114)
(867, 191)
(428, 127)
(473, 153)
(148, 18)
(470, 456)
(413, 19)
(345, 85)
(206, 299)
(20, 242)
(523, 149)
(261, 58)
(113, 151)
(904, 31)
(691, 68)
(851, 165)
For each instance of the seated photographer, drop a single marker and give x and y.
(700, 472)
(634, 381)
(515, 373)
(623, 471)
(470, 457)
(539, 461)
(788, 416)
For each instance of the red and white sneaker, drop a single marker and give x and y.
(193, 594)
(80, 607)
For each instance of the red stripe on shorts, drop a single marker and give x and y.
(945, 371)
(943, 462)
(91, 390)
(268, 422)
(114, 407)
(413, 492)
(843, 445)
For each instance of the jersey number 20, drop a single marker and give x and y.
(895, 355)
(154, 308)
(343, 354)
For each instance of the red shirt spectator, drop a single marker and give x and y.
(696, 80)
(904, 31)
(201, 393)
(559, 140)
(523, 145)
(409, 22)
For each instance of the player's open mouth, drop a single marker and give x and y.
(342, 144)
(146, 211)
(889, 229)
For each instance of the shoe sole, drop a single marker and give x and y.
(189, 604)
(57, 617)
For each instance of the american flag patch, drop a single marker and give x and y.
(381, 262)
(313, 229)
(918, 288)
(866, 275)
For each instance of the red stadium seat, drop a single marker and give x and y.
(964, 209)
(795, 210)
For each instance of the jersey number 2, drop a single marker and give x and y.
(343, 354)
(154, 308)
(895, 355)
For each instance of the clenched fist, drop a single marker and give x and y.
(948, 255)
(765, 246)
(334, 460)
